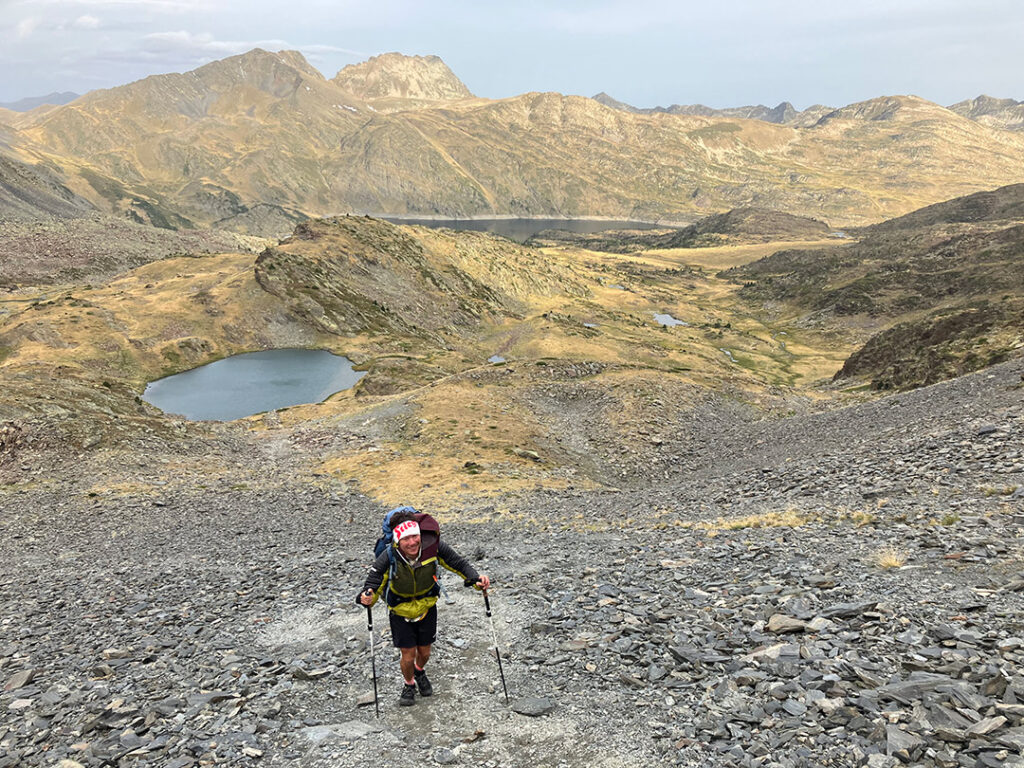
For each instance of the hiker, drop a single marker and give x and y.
(406, 572)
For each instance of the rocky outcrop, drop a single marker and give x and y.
(941, 346)
(395, 76)
(362, 275)
(1006, 114)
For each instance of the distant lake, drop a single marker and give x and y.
(244, 385)
(522, 230)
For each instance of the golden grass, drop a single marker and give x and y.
(129, 327)
(858, 517)
(454, 439)
(728, 256)
(787, 518)
(890, 557)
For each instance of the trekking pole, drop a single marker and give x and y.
(373, 657)
(494, 634)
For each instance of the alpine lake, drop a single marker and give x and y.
(251, 383)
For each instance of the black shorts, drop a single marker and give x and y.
(409, 634)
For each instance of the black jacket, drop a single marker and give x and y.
(413, 591)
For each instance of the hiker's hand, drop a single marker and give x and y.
(483, 582)
(367, 598)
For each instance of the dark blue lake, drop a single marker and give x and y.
(252, 383)
(521, 230)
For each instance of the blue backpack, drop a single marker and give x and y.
(383, 544)
(386, 537)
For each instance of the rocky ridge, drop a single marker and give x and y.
(356, 274)
(392, 75)
(1000, 113)
(783, 113)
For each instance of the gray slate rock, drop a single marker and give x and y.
(534, 706)
(20, 680)
(347, 731)
(445, 756)
(781, 624)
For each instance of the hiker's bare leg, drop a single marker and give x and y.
(422, 655)
(408, 663)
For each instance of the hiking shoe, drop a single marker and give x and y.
(426, 689)
(408, 697)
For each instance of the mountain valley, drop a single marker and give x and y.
(750, 488)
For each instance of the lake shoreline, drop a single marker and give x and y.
(509, 217)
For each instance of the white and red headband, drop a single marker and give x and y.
(408, 528)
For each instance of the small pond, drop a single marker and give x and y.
(666, 319)
(496, 359)
(522, 230)
(252, 383)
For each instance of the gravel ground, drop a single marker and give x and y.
(671, 623)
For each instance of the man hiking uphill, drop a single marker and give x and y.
(406, 572)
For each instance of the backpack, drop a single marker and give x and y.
(430, 535)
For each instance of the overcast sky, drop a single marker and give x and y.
(645, 52)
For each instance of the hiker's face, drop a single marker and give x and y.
(410, 545)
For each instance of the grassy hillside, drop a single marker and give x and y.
(942, 287)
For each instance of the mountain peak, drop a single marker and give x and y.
(998, 113)
(395, 75)
(256, 65)
(609, 101)
(887, 108)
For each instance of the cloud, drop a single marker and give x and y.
(205, 45)
(24, 28)
(145, 5)
(202, 44)
(86, 22)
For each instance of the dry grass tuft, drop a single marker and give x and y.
(1005, 490)
(791, 517)
(890, 557)
(858, 517)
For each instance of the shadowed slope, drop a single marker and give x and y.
(945, 284)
